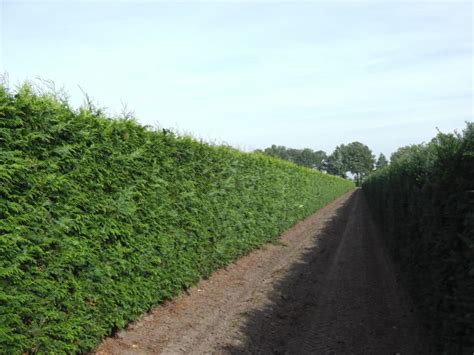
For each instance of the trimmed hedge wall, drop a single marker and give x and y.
(101, 219)
(424, 201)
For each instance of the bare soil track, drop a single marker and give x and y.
(326, 287)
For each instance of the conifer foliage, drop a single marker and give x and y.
(100, 218)
(424, 201)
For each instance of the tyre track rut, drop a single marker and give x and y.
(326, 286)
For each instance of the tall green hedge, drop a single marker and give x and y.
(100, 219)
(424, 201)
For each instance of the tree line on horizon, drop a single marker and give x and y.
(354, 158)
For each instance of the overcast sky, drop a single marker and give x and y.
(256, 73)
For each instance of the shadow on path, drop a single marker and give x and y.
(341, 297)
(268, 330)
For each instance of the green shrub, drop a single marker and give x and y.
(101, 219)
(424, 201)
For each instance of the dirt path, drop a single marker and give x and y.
(327, 286)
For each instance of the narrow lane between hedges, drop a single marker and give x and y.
(327, 285)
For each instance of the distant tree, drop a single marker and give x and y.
(381, 162)
(293, 155)
(359, 160)
(355, 158)
(319, 159)
(277, 151)
(305, 157)
(335, 163)
(309, 158)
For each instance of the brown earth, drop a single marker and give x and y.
(326, 286)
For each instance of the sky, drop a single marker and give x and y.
(255, 73)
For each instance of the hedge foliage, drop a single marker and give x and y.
(100, 219)
(424, 201)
